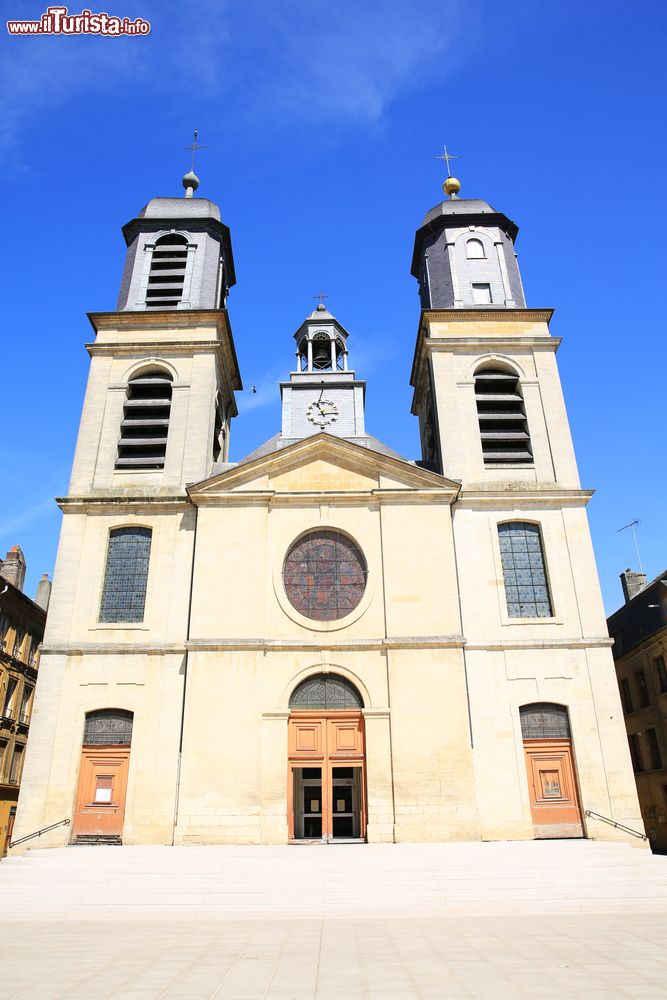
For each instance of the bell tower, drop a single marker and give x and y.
(486, 385)
(160, 395)
(323, 393)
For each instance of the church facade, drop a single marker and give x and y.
(324, 641)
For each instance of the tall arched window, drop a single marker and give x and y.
(544, 721)
(143, 432)
(524, 571)
(108, 727)
(167, 273)
(502, 417)
(126, 574)
(326, 691)
(474, 249)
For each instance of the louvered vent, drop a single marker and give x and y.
(143, 432)
(502, 418)
(167, 274)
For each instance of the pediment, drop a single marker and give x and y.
(322, 464)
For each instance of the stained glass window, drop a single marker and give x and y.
(526, 587)
(326, 691)
(325, 575)
(124, 592)
(543, 721)
(108, 726)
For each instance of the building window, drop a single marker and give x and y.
(108, 727)
(475, 251)
(635, 752)
(167, 273)
(502, 419)
(524, 572)
(3, 762)
(544, 721)
(17, 766)
(324, 575)
(124, 591)
(626, 696)
(326, 691)
(19, 636)
(653, 749)
(26, 698)
(145, 424)
(661, 672)
(8, 707)
(481, 294)
(642, 688)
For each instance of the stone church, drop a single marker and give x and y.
(324, 641)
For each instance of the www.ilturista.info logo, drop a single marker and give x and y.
(58, 21)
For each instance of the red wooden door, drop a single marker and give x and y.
(100, 805)
(554, 801)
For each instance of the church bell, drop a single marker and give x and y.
(321, 354)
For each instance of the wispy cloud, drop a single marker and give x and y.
(11, 525)
(297, 60)
(266, 391)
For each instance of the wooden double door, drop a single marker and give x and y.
(100, 804)
(326, 785)
(554, 801)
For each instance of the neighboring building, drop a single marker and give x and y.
(21, 633)
(325, 640)
(639, 631)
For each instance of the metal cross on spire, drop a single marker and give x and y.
(321, 296)
(194, 147)
(446, 157)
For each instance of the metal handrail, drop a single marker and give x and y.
(619, 826)
(38, 833)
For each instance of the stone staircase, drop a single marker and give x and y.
(339, 881)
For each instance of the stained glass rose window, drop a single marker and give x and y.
(325, 575)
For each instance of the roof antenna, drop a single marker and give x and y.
(634, 524)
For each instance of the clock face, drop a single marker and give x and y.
(322, 413)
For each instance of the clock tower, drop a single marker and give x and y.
(322, 394)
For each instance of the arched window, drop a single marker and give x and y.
(108, 726)
(502, 417)
(326, 691)
(474, 249)
(143, 432)
(124, 590)
(167, 273)
(524, 572)
(544, 721)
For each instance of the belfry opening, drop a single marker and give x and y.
(326, 783)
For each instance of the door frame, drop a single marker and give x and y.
(554, 747)
(98, 755)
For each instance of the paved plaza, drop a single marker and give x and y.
(380, 922)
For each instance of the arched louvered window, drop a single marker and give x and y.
(167, 273)
(143, 432)
(524, 571)
(474, 249)
(544, 721)
(126, 575)
(326, 691)
(108, 727)
(502, 417)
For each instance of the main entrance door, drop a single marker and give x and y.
(554, 800)
(105, 760)
(326, 775)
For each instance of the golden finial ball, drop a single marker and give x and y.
(451, 186)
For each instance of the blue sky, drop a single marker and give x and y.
(320, 122)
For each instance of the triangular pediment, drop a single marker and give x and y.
(322, 464)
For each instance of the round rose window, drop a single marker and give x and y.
(325, 575)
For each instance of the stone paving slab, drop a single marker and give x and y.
(592, 956)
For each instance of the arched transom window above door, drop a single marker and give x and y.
(108, 726)
(325, 575)
(326, 691)
(544, 721)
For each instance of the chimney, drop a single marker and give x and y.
(12, 567)
(43, 595)
(632, 583)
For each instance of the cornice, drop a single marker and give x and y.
(325, 642)
(508, 315)
(111, 648)
(594, 642)
(130, 505)
(339, 498)
(435, 344)
(523, 495)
